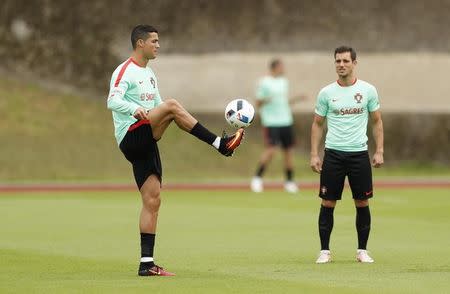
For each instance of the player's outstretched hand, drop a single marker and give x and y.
(377, 160)
(299, 98)
(140, 113)
(316, 164)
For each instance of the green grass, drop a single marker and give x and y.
(221, 242)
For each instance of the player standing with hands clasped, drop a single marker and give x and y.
(140, 120)
(347, 105)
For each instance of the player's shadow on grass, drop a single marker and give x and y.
(313, 261)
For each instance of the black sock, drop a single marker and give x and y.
(260, 171)
(289, 174)
(147, 245)
(363, 226)
(203, 133)
(326, 221)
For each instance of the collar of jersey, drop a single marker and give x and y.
(354, 82)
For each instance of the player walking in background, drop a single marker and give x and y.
(276, 118)
(140, 119)
(347, 105)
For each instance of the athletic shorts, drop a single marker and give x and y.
(141, 150)
(339, 164)
(279, 136)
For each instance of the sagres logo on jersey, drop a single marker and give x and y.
(346, 111)
(147, 96)
(358, 97)
(152, 80)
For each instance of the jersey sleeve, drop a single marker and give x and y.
(374, 102)
(262, 91)
(116, 101)
(321, 104)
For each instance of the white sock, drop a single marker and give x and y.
(216, 143)
(146, 259)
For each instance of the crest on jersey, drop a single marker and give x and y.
(152, 80)
(358, 97)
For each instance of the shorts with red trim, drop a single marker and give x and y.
(141, 150)
(339, 164)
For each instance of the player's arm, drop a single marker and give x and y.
(117, 103)
(261, 101)
(298, 98)
(262, 94)
(317, 129)
(377, 129)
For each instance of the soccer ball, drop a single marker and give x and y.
(239, 113)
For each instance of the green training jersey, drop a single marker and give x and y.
(275, 112)
(347, 111)
(132, 86)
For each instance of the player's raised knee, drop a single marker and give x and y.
(174, 105)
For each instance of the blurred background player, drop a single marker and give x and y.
(140, 120)
(276, 118)
(347, 105)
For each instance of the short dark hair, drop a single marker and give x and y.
(141, 32)
(343, 49)
(274, 63)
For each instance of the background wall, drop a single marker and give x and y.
(406, 82)
(77, 41)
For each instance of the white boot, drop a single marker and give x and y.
(324, 256)
(257, 185)
(291, 187)
(363, 256)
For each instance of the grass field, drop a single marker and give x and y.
(222, 242)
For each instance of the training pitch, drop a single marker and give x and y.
(222, 242)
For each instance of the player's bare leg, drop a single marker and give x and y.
(329, 203)
(151, 202)
(326, 221)
(290, 186)
(170, 110)
(363, 221)
(289, 158)
(267, 155)
(158, 128)
(256, 184)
